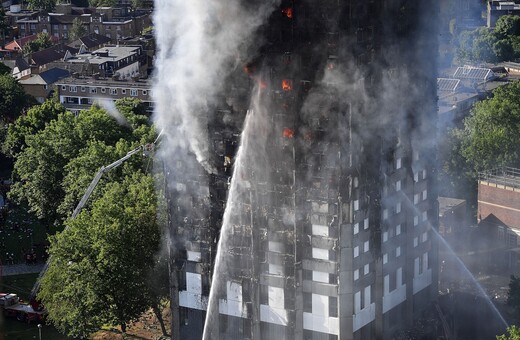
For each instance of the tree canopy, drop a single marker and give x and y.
(102, 3)
(101, 263)
(47, 5)
(491, 134)
(13, 99)
(45, 157)
(500, 44)
(77, 30)
(42, 41)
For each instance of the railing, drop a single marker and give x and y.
(504, 177)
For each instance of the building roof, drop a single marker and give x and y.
(18, 44)
(447, 85)
(51, 54)
(105, 54)
(90, 41)
(473, 73)
(21, 64)
(505, 177)
(67, 19)
(46, 78)
(448, 203)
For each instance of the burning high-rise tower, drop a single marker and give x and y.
(300, 167)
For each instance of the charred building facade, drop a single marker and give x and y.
(323, 181)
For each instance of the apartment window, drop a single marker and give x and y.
(356, 251)
(366, 269)
(415, 242)
(113, 91)
(398, 186)
(416, 177)
(424, 174)
(356, 274)
(356, 182)
(65, 35)
(356, 205)
(416, 221)
(398, 164)
(399, 277)
(145, 92)
(63, 87)
(385, 214)
(425, 236)
(357, 302)
(366, 246)
(385, 236)
(397, 251)
(103, 90)
(83, 89)
(93, 90)
(386, 284)
(365, 224)
(123, 91)
(424, 215)
(398, 208)
(415, 198)
(133, 92)
(424, 194)
(55, 28)
(385, 258)
(356, 228)
(397, 229)
(64, 27)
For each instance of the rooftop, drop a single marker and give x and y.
(447, 85)
(473, 73)
(109, 53)
(506, 178)
(109, 82)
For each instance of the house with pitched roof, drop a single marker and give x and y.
(40, 85)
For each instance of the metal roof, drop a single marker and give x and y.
(447, 84)
(473, 73)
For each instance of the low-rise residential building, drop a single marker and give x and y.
(79, 93)
(114, 23)
(40, 86)
(498, 8)
(90, 42)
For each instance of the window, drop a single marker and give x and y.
(365, 224)
(424, 194)
(425, 236)
(385, 258)
(385, 214)
(113, 91)
(415, 242)
(398, 186)
(398, 164)
(424, 215)
(63, 87)
(356, 205)
(398, 230)
(398, 208)
(93, 90)
(145, 92)
(356, 182)
(356, 274)
(83, 89)
(123, 91)
(103, 90)
(356, 228)
(133, 92)
(366, 269)
(416, 220)
(397, 251)
(366, 246)
(415, 198)
(385, 236)
(356, 251)
(399, 277)
(416, 177)
(424, 174)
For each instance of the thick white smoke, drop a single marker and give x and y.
(112, 110)
(199, 42)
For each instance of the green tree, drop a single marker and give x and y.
(508, 25)
(35, 120)
(41, 42)
(39, 169)
(4, 69)
(102, 3)
(513, 295)
(513, 333)
(4, 26)
(13, 99)
(77, 30)
(47, 5)
(100, 264)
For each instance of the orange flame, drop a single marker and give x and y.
(288, 133)
(287, 85)
(288, 12)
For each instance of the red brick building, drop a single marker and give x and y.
(499, 195)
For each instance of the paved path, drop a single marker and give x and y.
(17, 269)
